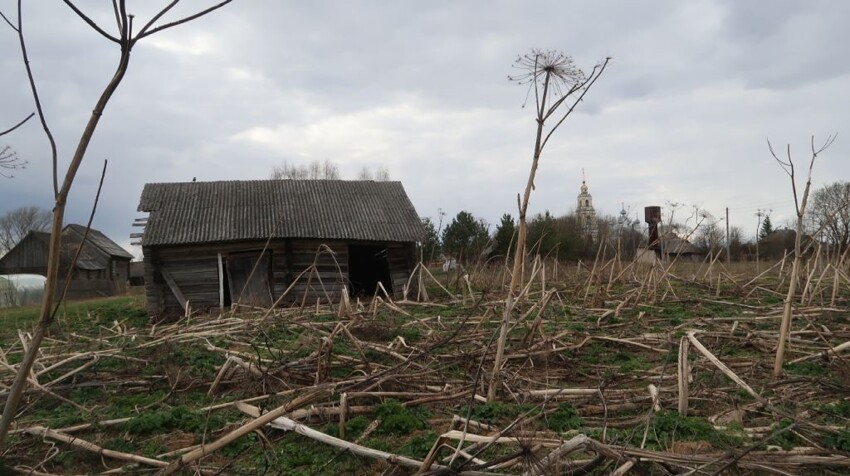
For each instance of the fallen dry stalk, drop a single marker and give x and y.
(286, 424)
(723, 368)
(88, 446)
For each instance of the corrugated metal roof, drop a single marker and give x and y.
(203, 212)
(673, 244)
(98, 239)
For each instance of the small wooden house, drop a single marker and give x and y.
(671, 247)
(274, 242)
(102, 267)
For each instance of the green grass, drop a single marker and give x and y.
(397, 419)
(564, 418)
(668, 427)
(76, 315)
(811, 369)
(497, 412)
(164, 409)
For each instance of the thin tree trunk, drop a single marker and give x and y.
(47, 312)
(785, 327)
(519, 253)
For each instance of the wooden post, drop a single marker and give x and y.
(343, 411)
(683, 375)
(220, 283)
(728, 247)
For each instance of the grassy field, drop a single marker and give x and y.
(75, 315)
(592, 351)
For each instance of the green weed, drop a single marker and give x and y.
(670, 426)
(812, 369)
(178, 417)
(419, 445)
(496, 412)
(564, 418)
(396, 419)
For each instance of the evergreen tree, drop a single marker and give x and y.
(766, 228)
(429, 248)
(505, 234)
(542, 234)
(465, 237)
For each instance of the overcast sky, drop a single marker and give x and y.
(682, 113)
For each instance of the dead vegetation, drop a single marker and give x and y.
(609, 368)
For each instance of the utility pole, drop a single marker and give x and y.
(728, 248)
(759, 214)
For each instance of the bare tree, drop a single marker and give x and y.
(126, 38)
(736, 242)
(830, 213)
(787, 165)
(710, 236)
(381, 174)
(315, 170)
(556, 82)
(15, 225)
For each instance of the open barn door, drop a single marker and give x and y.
(367, 264)
(248, 278)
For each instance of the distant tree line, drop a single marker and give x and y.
(15, 224)
(468, 238)
(324, 170)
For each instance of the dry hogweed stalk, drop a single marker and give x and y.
(550, 69)
(555, 79)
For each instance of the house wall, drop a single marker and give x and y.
(29, 256)
(195, 271)
(120, 272)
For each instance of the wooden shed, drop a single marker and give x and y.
(264, 242)
(102, 267)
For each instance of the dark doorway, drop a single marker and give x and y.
(367, 264)
(248, 278)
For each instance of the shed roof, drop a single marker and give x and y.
(673, 244)
(204, 212)
(95, 253)
(98, 239)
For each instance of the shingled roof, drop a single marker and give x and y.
(98, 239)
(205, 212)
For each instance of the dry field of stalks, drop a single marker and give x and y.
(610, 368)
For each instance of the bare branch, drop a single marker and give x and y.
(11, 25)
(183, 20)
(2, 133)
(569, 93)
(90, 22)
(36, 98)
(117, 14)
(122, 11)
(47, 313)
(578, 100)
(156, 17)
(828, 142)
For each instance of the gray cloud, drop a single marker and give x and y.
(682, 114)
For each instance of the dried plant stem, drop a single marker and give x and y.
(788, 166)
(283, 423)
(88, 446)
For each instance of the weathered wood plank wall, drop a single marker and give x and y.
(28, 257)
(194, 269)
